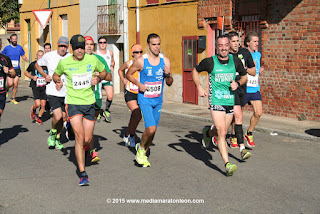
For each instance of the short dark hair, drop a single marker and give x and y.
(13, 35)
(47, 44)
(249, 36)
(103, 37)
(221, 37)
(232, 34)
(151, 36)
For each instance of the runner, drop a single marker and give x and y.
(55, 98)
(131, 97)
(89, 47)
(80, 70)
(240, 94)
(6, 69)
(153, 68)
(222, 70)
(47, 47)
(38, 85)
(14, 51)
(253, 97)
(107, 85)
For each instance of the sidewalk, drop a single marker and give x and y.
(268, 123)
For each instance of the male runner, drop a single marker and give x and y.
(222, 70)
(47, 47)
(38, 84)
(131, 97)
(80, 71)
(153, 68)
(55, 97)
(14, 51)
(6, 69)
(89, 47)
(253, 96)
(107, 85)
(240, 94)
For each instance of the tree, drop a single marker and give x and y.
(9, 9)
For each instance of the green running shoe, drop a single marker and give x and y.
(52, 138)
(107, 116)
(230, 169)
(146, 163)
(58, 144)
(140, 154)
(99, 118)
(245, 154)
(205, 139)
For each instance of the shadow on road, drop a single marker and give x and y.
(313, 132)
(72, 157)
(23, 98)
(195, 150)
(10, 133)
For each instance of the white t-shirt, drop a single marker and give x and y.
(51, 60)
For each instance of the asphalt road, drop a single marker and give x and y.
(282, 176)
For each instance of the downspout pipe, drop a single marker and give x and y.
(138, 22)
(50, 26)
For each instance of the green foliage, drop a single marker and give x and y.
(9, 9)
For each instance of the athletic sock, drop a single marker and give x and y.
(239, 133)
(108, 104)
(241, 148)
(249, 133)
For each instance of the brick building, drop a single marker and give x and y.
(290, 46)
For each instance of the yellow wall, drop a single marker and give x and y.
(62, 7)
(170, 22)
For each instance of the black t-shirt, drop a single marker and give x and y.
(32, 70)
(4, 61)
(207, 65)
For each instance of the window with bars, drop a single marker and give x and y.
(108, 22)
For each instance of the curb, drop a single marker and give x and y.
(260, 129)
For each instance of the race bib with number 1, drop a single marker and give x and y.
(253, 81)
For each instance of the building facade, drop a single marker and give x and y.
(64, 22)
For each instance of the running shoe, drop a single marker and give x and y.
(94, 156)
(98, 118)
(7, 94)
(52, 139)
(39, 121)
(230, 169)
(140, 155)
(32, 114)
(214, 141)
(84, 180)
(245, 154)
(126, 141)
(58, 144)
(234, 142)
(14, 101)
(107, 116)
(146, 163)
(249, 137)
(132, 141)
(205, 139)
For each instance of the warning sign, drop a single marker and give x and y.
(42, 16)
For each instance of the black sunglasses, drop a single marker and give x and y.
(137, 52)
(102, 42)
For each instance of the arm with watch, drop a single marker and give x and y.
(167, 72)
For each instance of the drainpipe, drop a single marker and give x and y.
(138, 22)
(125, 31)
(50, 27)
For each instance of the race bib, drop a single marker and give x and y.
(1, 83)
(41, 81)
(81, 81)
(15, 63)
(253, 81)
(153, 89)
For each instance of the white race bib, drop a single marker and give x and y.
(1, 83)
(41, 81)
(15, 63)
(253, 81)
(81, 81)
(153, 89)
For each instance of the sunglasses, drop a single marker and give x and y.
(102, 42)
(137, 52)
